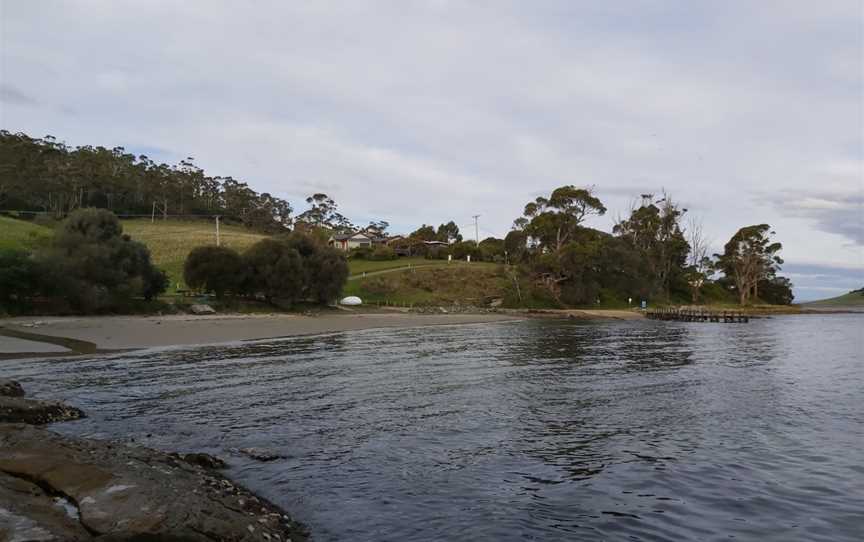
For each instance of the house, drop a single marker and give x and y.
(350, 241)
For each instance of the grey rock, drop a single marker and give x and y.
(133, 493)
(33, 411)
(10, 388)
(202, 460)
(200, 308)
(260, 454)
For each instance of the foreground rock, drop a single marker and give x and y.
(33, 411)
(59, 488)
(10, 388)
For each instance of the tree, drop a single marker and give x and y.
(329, 271)
(378, 228)
(214, 269)
(448, 233)
(749, 257)
(94, 266)
(554, 221)
(699, 265)
(654, 230)
(515, 246)
(19, 279)
(275, 271)
(424, 233)
(324, 213)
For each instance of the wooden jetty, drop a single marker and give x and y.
(680, 314)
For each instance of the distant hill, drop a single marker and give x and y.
(852, 299)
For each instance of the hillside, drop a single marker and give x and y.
(467, 284)
(170, 241)
(852, 299)
(19, 234)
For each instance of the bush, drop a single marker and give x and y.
(19, 280)
(274, 271)
(383, 253)
(94, 267)
(294, 268)
(360, 253)
(214, 269)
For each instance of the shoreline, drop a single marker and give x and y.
(69, 336)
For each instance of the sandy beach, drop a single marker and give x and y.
(135, 332)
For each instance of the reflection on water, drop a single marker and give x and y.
(518, 431)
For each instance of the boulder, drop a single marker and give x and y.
(260, 454)
(10, 388)
(122, 492)
(200, 308)
(32, 411)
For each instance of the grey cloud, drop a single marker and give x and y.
(12, 95)
(842, 214)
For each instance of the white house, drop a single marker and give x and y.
(351, 240)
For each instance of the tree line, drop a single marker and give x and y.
(46, 175)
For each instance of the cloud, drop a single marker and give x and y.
(430, 111)
(12, 95)
(815, 281)
(842, 214)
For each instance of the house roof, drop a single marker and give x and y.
(346, 236)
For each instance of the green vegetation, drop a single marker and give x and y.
(171, 241)
(89, 266)
(855, 298)
(22, 235)
(467, 284)
(358, 267)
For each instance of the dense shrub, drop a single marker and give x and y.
(274, 271)
(360, 253)
(383, 252)
(214, 269)
(94, 267)
(19, 280)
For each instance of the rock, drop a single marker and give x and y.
(10, 388)
(126, 493)
(200, 308)
(32, 411)
(495, 303)
(260, 454)
(351, 300)
(27, 512)
(202, 460)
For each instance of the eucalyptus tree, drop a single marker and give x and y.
(750, 256)
(555, 220)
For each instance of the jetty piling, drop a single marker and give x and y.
(684, 314)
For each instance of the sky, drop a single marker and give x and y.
(428, 111)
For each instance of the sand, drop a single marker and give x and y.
(129, 332)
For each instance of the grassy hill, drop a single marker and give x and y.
(852, 299)
(170, 241)
(467, 284)
(19, 234)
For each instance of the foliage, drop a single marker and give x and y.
(447, 233)
(750, 257)
(382, 252)
(323, 212)
(214, 269)
(294, 268)
(654, 232)
(20, 278)
(48, 175)
(553, 221)
(94, 266)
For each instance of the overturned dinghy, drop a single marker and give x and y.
(351, 300)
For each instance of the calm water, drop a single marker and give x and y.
(536, 430)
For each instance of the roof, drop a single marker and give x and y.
(346, 236)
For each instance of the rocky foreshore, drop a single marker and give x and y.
(59, 488)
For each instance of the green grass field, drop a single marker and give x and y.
(368, 266)
(851, 299)
(20, 234)
(170, 241)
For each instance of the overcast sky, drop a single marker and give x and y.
(428, 111)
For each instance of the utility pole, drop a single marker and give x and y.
(218, 240)
(476, 230)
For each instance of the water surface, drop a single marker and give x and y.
(538, 430)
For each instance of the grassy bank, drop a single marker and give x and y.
(467, 284)
(19, 234)
(851, 299)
